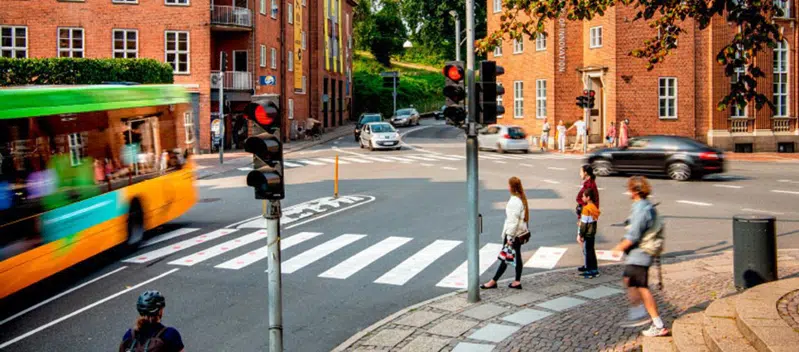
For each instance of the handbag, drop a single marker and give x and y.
(506, 254)
(525, 237)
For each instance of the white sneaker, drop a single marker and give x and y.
(655, 331)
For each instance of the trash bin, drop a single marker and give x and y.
(754, 240)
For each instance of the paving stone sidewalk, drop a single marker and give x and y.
(556, 310)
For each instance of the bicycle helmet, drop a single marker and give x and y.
(150, 302)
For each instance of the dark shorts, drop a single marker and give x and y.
(637, 275)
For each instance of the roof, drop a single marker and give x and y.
(29, 101)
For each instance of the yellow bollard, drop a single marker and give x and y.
(335, 182)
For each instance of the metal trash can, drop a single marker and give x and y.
(754, 239)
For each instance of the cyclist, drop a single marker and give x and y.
(148, 334)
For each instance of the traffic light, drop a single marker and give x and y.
(454, 91)
(267, 174)
(488, 90)
(222, 61)
(591, 95)
(582, 102)
(388, 82)
(266, 116)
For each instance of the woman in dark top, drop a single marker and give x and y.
(149, 334)
(589, 182)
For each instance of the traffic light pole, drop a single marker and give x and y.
(472, 232)
(394, 83)
(275, 299)
(221, 106)
(586, 114)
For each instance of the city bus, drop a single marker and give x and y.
(87, 168)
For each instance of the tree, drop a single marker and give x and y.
(389, 32)
(432, 27)
(363, 24)
(752, 17)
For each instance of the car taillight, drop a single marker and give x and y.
(506, 136)
(708, 156)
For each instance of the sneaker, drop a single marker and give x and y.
(590, 274)
(655, 331)
(582, 269)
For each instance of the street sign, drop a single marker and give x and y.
(267, 80)
(389, 74)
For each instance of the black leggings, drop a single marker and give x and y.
(517, 246)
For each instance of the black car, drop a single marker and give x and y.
(678, 157)
(364, 119)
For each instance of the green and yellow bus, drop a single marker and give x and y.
(87, 168)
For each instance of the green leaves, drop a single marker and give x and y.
(14, 72)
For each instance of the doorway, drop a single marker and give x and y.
(596, 118)
(240, 60)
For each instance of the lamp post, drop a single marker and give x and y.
(454, 14)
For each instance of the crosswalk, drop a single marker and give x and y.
(404, 264)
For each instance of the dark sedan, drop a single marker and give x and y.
(677, 157)
(364, 119)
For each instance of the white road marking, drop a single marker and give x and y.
(728, 186)
(365, 257)
(556, 168)
(426, 164)
(527, 165)
(784, 192)
(419, 157)
(355, 160)
(332, 160)
(290, 164)
(168, 236)
(261, 253)
(447, 157)
(309, 162)
(500, 162)
(214, 251)
(62, 294)
(378, 159)
(400, 159)
(551, 181)
(312, 255)
(177, 247)
(702, 204)
(487, 257)
(412, 266)
(489, 157)
(762, 211)
(788, 181)
(70, 315)
(512, 157)
(545, 258)
(449, 168)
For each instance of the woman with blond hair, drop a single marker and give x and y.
(514, 232)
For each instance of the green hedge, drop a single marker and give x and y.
(15, 72)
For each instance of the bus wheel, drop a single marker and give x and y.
(135, 224)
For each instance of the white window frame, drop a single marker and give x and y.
(262, 7)
(291, 109)
(273, 9)
(70, 51)
(303, 41)
(177, 52)
(273, 57)
(499, 100)
(75, 141)
(124, 51)
(595, 37)
(290, 13)
(782, 62)
(497, 6)
(667, 93)
(785, 5)
(498, 50)
(518, 99)
(14, 48)
(304, 3)
(290, 59)
(177, 2)
(125, 1)
(518, 46)
(541, 98)
(541, 42)
(304, 84)
(188, 127)
(263, 56)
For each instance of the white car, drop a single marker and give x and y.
(379, 135)
(503, 138)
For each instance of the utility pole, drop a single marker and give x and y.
(394, 81)
(275, 294)
(457, 35)
(472, 232)
(585, 119)
(221, 105)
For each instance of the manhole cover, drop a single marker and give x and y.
(207, 200)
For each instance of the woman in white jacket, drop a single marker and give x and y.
(516, 217)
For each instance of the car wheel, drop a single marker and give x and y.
(679, 171)
(360, 143)
(371, 147)
(602, 167)
(499, 149)
(135, 224)
(399, 148)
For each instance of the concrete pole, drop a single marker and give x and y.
(457, 38)
(275, 286)
(221, 107)
(472, 231)
(394, 82)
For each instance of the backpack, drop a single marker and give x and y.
(652, 241)
(153, 344)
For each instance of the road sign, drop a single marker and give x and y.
(389, 74)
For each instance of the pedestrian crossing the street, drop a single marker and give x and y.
(404, 265)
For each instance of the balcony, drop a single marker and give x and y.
(740, 125)
(231, 18)
(782, 124)
(232, 80)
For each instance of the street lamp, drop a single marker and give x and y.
(454, 14)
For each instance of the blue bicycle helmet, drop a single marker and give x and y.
(150, 302)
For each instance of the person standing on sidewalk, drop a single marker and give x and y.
(515, 228)
(545, 135)
(587, 235)
(624, 133)
(561, 136)
(636, 270)
(581, 131)
(611, 137)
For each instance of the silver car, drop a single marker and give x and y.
(405, 117)
(379, 135)
(503, 138)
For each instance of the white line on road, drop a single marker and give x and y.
(412, 266)
(784, 192)
(788, 181)
(309, 162)
(551, 181)
(332, 160)
(312, 255)
(330, 213)
(70, 315)
(261, 253)
(528, 165)
(290, 164)
(500, 162)
(62, 294)
(400, 159)
(457, 279)
(365, 257)
(728, 186)
(545, 258)
(762, 211)
(165, 251)
(426, 164)
(556, 168)
(447, 157)
(449, 168)
(168, 236)
(355, 160)
(419, 157)
(214, 251)
(694, 203)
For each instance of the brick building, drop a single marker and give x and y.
(190, 35)
(543, 78)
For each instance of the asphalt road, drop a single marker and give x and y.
(400, 241)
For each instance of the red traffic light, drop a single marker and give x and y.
(591, 93)
(453, 72)
(585, 92)
(265, 115)
(261, 116)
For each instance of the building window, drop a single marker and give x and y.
(667, 98)
(595, 34)
(304, 82)
(177, 50)
(303, 40)
(518, 46)
(274, 9)
(499, 99)
(177, 2)
(518, 99)
(126, 44)
(738, 111)
(498, 50)
(291, 109)
(290, 13)
(75, 148)
(541, 98)
(14, 41)
(188, 127)
(125, 1)
(273, 58)
(785, 6)
(541, 42)
(497, 6)
(70, 42)
(781, 79)
(291, 60)
(263, 55)
(262, 8)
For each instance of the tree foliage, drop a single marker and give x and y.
(752, 17)
(386, 33)
(433, 28)
(363, 24)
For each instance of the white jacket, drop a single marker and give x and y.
(514, 218)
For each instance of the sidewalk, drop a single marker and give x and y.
(208, 165)
(556, 311)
